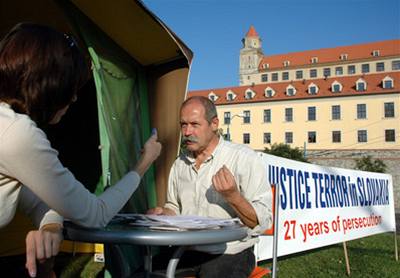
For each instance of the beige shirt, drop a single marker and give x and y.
(33, 178)
(190, 191)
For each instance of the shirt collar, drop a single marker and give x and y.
(4, 104)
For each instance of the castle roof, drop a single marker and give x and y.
(252, 32)
(374, 85)
(332, 55)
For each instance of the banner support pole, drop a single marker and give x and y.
(396, 253)
(346, 257)
(276, 226)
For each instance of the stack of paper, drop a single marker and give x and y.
(179, 222)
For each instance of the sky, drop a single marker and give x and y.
(214, 29)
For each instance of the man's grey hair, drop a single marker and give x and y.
(209, 106)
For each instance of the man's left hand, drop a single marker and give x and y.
(224, 183)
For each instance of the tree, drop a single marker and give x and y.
(284, 150)
(366, 163)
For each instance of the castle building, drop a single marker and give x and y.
(337, 104)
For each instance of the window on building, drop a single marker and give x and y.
(362, 136)
(267, 115)
(285, 75)
(351, 69)
(312, 137)
(286, 63)
(327, 72)
(288, 137)
(390, 135)
(264, 78)
(380, 66)
(246, 138)
(335, 112)
(361, 111)
(312, 113)
(365, 68)
(299, 74)
(249, 95)
(269, 92)
(339, 70)
(389, 109)
(376, 53)
(388, 84)
(267, 137)
(290, 90)
(336, 88)
(314, 60)
(289, 114)
(230, 97)
(361, 86)
(274, 76)
(313, 73)
(227, 118)
(212, 97)
(336, 136)
(343, 57)
(396, 65)
(246, 117)
(312, 90)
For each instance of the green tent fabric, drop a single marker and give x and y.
(123, 114)
(122, 102)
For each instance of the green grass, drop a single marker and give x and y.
(369, 257)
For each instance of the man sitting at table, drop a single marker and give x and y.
(216, 178)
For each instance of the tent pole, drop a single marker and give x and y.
(346, 257)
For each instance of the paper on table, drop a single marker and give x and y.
(179, 222)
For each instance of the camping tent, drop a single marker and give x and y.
(140, 75)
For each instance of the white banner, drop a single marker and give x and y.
(320, 206)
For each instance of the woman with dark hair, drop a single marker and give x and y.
(41, 71)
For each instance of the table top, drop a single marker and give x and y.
(122, 233)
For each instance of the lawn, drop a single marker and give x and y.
(369, 257)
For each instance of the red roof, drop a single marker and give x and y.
(326, 55)
(374, 86)
(252, 32)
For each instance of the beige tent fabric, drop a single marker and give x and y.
(140, 32)
(168, 92)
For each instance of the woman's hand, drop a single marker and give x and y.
(150, 152)
(41, 245)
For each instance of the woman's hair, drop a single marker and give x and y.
(41, 71)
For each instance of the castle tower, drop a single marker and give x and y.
(250, 55)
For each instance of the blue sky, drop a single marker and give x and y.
(213, 29)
